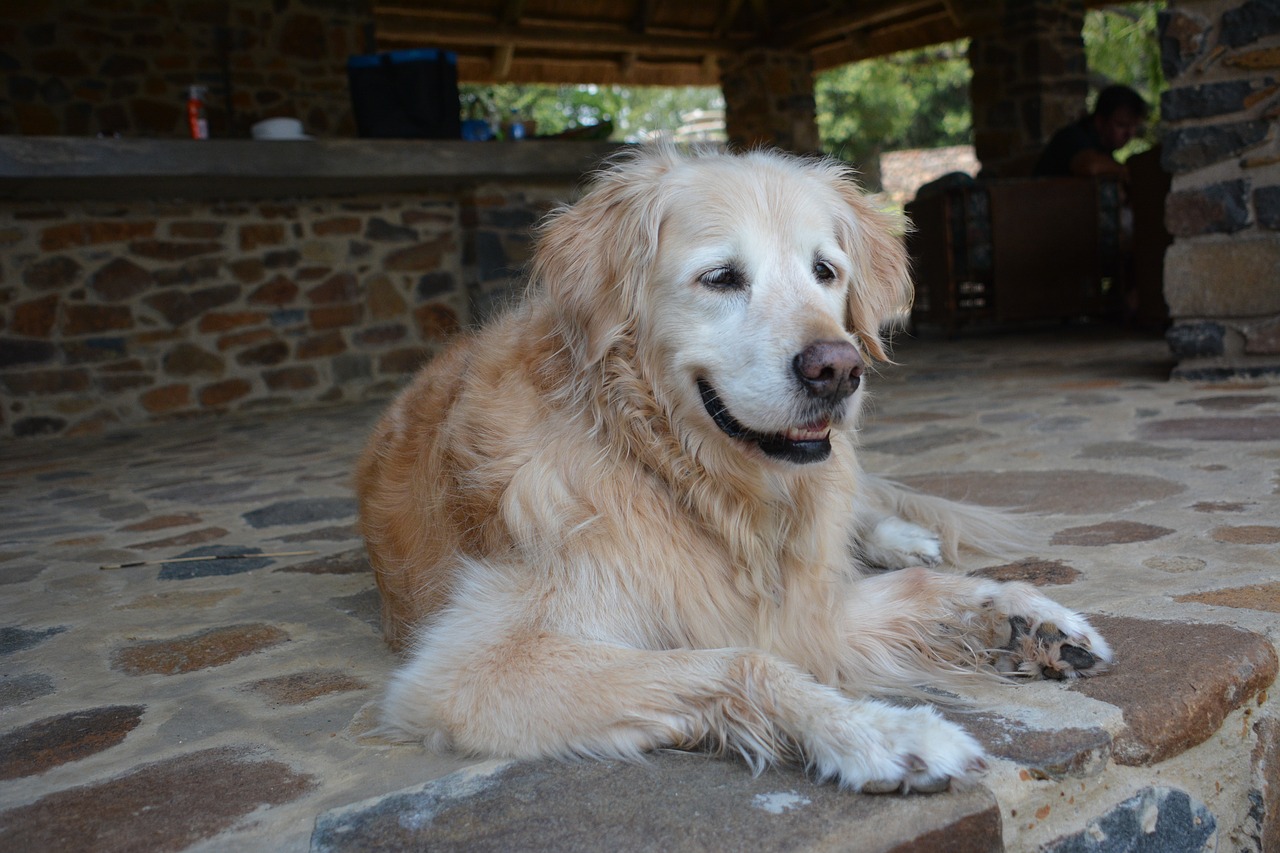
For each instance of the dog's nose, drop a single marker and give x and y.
(829, 370)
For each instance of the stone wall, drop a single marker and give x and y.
(1029, 80)
(79, 68)
(768, 96)
(1222, 146)
(112, 313)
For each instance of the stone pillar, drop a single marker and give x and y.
(768, 97)
(1221, 143)
(1029, 80)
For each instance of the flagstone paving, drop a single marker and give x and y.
(229, 703)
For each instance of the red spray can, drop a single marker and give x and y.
(195, 113)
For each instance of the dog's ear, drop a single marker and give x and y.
(592, 256)
(881, 288)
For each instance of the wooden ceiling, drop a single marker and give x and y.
(660, 42)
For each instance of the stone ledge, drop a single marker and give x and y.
(671, 802)
(166, 805)
(60, 168)
(1176, 682)
(87, 778)
(1225, 369)
(1156, 818)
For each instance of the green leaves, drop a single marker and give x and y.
(1122, 44)
(636, 111)
(914, 99)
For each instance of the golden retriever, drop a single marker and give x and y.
(629, 515)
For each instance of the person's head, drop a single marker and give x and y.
(1118, 115)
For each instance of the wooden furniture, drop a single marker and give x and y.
(1015, 251)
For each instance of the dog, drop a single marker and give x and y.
(628, 514)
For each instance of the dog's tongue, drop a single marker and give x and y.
(816, 431)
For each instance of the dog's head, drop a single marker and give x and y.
(756, 285)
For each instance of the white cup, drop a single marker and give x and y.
(278, 128)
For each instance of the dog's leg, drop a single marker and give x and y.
(918, 620)
(530, 693)
(892, 543)
(897, 527)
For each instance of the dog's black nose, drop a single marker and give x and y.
(829, 370)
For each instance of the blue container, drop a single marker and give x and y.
(476, 130)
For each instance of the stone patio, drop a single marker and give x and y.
(226, 704)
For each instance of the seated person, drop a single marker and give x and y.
(1086, 147)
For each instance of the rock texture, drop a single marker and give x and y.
(120, 313)
(230, 703)
(1222, 63)
(125, 68)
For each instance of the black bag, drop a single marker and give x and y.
(406, 94)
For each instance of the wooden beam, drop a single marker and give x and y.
(860, 16)
(502, 56)
(644, 14)
(727, 16)
(527, 69)
(511, 12)
(867, 44)
(416, 30)
(504, 53)
(915, 24)
(951, 12)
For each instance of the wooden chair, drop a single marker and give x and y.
(1016, 251)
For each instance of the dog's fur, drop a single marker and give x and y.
(619, 518)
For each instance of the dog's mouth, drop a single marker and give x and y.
(809, 442)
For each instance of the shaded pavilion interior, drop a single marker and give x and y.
(1028, 56)
(657, 43)
(1218, 164)
(231, 704)
(96, 112)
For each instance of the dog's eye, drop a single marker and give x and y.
(723, 278)
(824, 272)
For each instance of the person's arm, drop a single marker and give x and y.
(1091, 163)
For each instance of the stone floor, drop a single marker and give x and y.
(225, 704)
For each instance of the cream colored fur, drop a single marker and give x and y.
(579, 561)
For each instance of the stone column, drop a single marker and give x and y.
(768, 96)
(1029, 79)
(1222, 146)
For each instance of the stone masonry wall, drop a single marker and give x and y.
(769, 100)
(78, 68)
(1029, 80)
(112, 313)
(1222, 146)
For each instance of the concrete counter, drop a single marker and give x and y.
(58, 168)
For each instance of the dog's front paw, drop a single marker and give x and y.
(1045, 649)
(884, 749)
(1046, 639)
(896, 544)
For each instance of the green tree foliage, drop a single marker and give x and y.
(635, 111)
(920, 98)
(913, 99)
(1122, 45)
